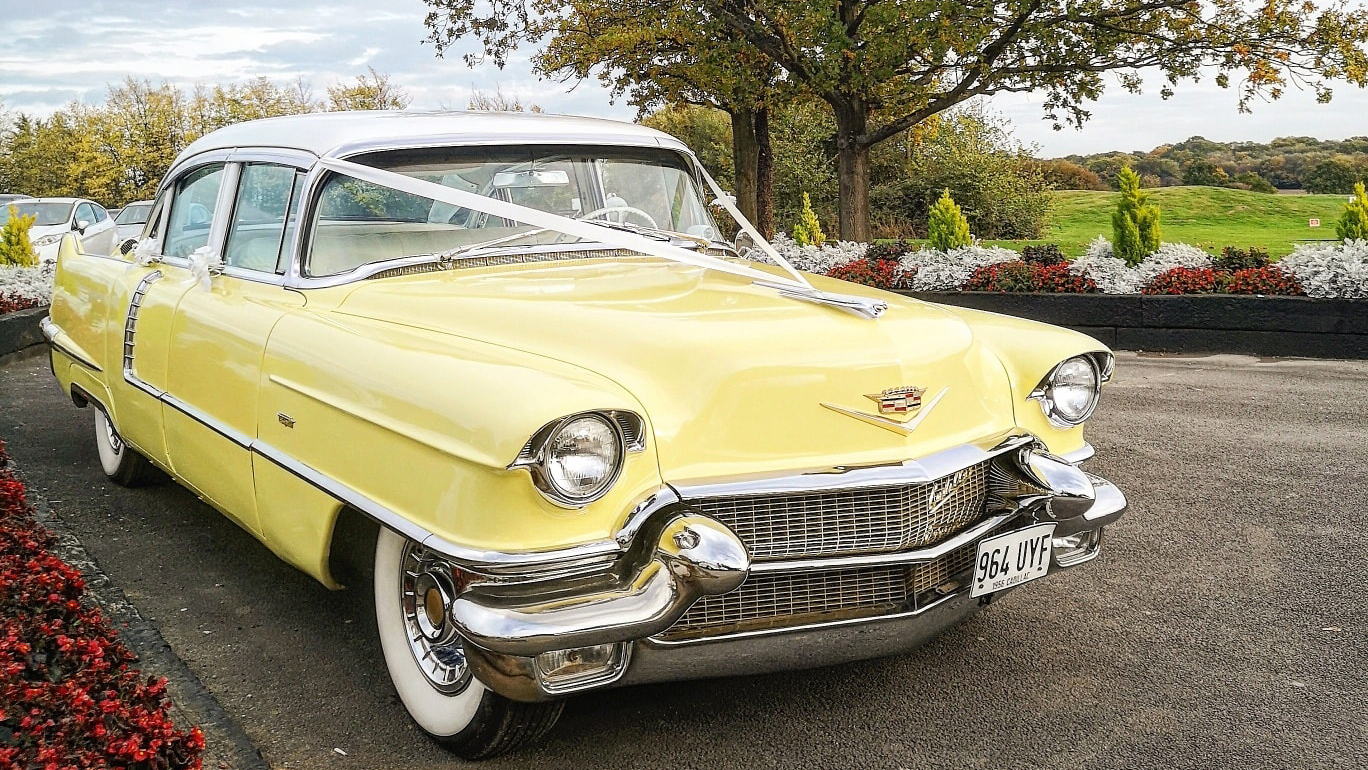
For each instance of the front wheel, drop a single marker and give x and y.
(121, 463)
(427, 662)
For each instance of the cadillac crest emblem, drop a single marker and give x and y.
(904, 400)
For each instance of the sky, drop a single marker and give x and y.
(56, 52)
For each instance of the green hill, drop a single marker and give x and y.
(1210, 217)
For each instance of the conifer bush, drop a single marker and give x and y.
(947, 228)
(1353, 223)
(1135, 223)
(15, 246)
(807, 231)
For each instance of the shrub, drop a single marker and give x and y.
(1330, 269)
(1233, 259)
(68, 694)
(935, 270)
(15, 246)
(1353, 223)
(812, 259)
(879, 273)
(1269, 281)
(31, 285)
(947, 228)
(890, 250)
(1026, 276)
(1187, 280)
(1135, 223)
(807, 231)
(1047, 254)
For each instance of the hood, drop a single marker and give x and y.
(732, 376)
(40, 231)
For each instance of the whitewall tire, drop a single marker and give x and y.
(426, 659)
(120, 462)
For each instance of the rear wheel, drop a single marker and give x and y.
(427, 662)
(121, 463)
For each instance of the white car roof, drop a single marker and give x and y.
(340, 134)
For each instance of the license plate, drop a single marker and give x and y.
(1012, 559)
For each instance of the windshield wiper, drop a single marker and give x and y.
(445, 258)
(654, 232)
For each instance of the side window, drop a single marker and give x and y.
(100, 213)
(264, 213)
(84, 213)
(192, 211)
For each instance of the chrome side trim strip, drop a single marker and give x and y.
(51, 331)
(928, 468)
(237, 437)
(539, 565)
(901, 557)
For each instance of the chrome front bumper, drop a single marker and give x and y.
(685, 557)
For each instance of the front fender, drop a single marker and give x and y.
(425, 425)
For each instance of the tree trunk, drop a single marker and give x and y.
(745, 159)
(852, 168)
(764, 175)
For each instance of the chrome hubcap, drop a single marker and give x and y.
(426, 592)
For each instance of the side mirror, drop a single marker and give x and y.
(81, 225)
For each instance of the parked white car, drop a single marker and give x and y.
(131, 219)
(58, 216)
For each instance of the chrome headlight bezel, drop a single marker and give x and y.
(538, 455)
(1099, 364)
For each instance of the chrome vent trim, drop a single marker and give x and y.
(131, 320)
(395, 272)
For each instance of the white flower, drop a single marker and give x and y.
(1330, 270)
(33, 283)
(1113, 276)
(811, 259)
(950, 270)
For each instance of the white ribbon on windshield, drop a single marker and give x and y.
(579, 228)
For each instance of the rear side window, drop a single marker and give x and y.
(263, 217)
(192, 210)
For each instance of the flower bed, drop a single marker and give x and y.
(69, 696)
(24, 287)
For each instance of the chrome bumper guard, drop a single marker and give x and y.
(696, 556)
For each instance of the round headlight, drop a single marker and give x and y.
(1071, 391)
(582, 458)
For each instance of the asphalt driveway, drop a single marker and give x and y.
(1225, 625)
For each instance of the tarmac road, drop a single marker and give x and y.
(1224, 625)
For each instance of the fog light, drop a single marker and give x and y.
(581, 667)
(1077, 548)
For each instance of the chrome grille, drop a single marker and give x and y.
(852, 521)
(781, 600)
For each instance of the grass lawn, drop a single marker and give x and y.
(1209, 217)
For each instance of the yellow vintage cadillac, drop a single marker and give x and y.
(504, 368)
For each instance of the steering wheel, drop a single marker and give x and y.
(622, 210)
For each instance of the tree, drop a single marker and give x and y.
(1201, 171)
(15, 246)
(1353, 223)
(653, 52)
(807, 231)
(1135, 223)
(369, 92)
(1061, 174)
(1331, 177)
(706, 130)
(497, 102)
(947, 228)
(884, 67)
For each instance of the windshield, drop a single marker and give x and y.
(134, 214)
(47, 213)
(358, 222)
